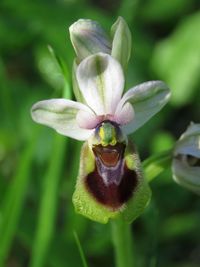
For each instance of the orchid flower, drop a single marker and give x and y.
(110, 180)
(186, 162)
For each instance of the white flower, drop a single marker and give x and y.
(101, 83)
(186, 162)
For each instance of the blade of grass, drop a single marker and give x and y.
(47, 212)
(14, 200)
(6, 98)
(82, 255)
(61, 64)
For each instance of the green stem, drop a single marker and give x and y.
(155, 165)
(123, 243)
(82, 255)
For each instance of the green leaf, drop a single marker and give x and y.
(159, 11)
(176, 60)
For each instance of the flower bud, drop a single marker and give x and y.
(186, 162)
(88, 38)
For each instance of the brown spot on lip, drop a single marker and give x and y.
(121, 182)
(113, 196)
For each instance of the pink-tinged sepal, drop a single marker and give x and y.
(110, 183)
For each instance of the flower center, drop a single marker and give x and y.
(108, 133)
(109, 155)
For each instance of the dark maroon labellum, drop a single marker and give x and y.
(111, 183)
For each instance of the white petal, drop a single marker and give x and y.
(60, 114)
(192, 130)
(88, 38)
(125, 115)
(189, 142)
(101, 81)
(122, 42)
(147, 99)
(187, 176)
(188, 146)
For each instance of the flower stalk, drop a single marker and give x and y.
(156, 164)
(123, 243)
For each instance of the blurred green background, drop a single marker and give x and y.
(38, 168)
